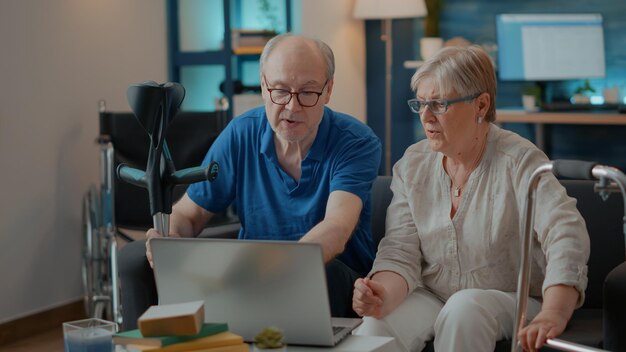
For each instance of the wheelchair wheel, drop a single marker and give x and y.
(89, 266)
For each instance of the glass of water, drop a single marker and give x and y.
(89, 335)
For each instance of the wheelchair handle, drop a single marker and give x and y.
(573, 169)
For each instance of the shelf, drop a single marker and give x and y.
(248, 50)
(213, 57)
(239, 48)
(413, 64)
(568, 118)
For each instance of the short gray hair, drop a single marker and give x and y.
(326, 51)
(464, 70)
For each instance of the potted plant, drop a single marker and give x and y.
(270, 340)
(581, 94)
(431, 22)
(531, 97)
(269, 12)
(432, 41)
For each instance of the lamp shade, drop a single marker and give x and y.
(379, 9)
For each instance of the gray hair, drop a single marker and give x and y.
(464, 70)
(325, 50)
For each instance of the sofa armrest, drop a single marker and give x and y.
(614, 309)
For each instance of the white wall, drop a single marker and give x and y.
(57, 59)
(332, 22)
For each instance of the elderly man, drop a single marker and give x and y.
(295, 169)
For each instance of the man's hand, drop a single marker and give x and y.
(368, 298)
(152, 233)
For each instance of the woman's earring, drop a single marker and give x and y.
(480, 119)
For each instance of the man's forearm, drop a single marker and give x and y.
(331, 236)
(181, 226)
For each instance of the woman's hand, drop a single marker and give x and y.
(368, 298)
(548, 324)
(558, 305)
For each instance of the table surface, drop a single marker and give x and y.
(577, 118)
(352, 343)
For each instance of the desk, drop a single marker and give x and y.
(352, 343)
(568, 118)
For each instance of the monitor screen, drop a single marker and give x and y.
(547, 47)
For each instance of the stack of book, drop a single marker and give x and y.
(248, 41)
(178, 328)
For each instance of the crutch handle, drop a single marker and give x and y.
(575, 169)
(196, 174)
(131, 175)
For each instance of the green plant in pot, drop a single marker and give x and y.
(581, 94)
(531, 97)
(431, 22)
(269, 13)
(270, 339)
(535, 91)
(431, 42)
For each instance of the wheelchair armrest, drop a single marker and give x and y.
(221, 231)
(614, 309)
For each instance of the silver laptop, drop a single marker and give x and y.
(251, 285)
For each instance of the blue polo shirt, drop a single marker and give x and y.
(271, 204)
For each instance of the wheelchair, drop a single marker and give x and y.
(115, 212)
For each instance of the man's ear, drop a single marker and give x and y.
(329, 90)
(263, 86)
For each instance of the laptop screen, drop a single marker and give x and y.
(249, 284)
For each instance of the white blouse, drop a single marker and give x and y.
(480, 246)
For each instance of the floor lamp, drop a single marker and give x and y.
(387, 10)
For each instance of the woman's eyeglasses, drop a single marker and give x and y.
(437, 106)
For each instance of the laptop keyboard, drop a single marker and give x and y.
(337, 329)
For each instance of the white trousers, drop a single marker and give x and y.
(471, 320)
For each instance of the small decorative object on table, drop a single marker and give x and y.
(270, 340)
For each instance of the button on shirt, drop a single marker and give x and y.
(480, 246)
(271, 204)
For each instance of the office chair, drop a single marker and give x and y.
(115, 209)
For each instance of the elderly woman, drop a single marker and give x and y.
(447, 266)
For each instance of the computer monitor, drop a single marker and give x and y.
(549, 47)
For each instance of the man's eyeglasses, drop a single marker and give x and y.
(305, 98)
(437, 106)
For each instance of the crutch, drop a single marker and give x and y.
(570, 169)
(155, 106)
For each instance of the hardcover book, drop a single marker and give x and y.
(136, 337)
(180, 319)
(225, 341)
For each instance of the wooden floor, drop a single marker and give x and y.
(49, 341)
